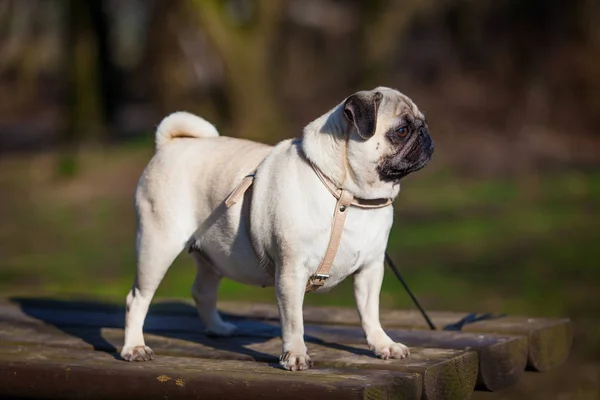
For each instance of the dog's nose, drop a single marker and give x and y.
(426, 139)
(430, 141)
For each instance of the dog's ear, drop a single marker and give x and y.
(361, 110)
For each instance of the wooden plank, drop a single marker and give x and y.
(49, 373)
(501, 358)
(549, 340)
(444, 374)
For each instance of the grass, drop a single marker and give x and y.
(526, 246)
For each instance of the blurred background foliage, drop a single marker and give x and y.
(504, 219)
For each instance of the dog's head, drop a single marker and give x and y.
(387, 123)
(382, 136)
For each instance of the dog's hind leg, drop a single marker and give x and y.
(204, 292)
(156, 250)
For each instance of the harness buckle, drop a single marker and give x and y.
(321, 277)
(316, 281)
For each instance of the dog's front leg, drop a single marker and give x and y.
(367, 287)
(290, 286)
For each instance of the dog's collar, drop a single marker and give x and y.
(344, 200)
(356, 201)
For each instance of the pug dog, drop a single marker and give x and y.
(278, 233)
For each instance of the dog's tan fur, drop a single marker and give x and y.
(180, 204)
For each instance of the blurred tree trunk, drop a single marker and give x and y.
(17, 25)
(91, 94)
(161, 53)
(246, 48)
(385, 25)
(82, 98)
(109, 76)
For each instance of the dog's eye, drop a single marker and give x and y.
(403, 131)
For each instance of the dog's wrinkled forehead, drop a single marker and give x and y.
(395, 104)
(368, 109)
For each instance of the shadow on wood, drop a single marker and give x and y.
(71, 321)
(174, 329)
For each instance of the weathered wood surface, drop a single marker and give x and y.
(48, 373)
(501, 358)
(549, 340)
(443, 373)
(443, 364)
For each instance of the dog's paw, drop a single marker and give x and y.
(295, 361)
(391, 350)
(224, 329)
(137, 353)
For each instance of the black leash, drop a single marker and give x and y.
(469, 319)
(414, 299)
(457, 326)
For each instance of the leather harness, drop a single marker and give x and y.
(344, 200)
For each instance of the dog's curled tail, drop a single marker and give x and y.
(182, 124)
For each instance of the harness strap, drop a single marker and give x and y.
(339, 218)
(239, 191)
(344, 200)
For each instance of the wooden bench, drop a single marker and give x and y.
(68, 349)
